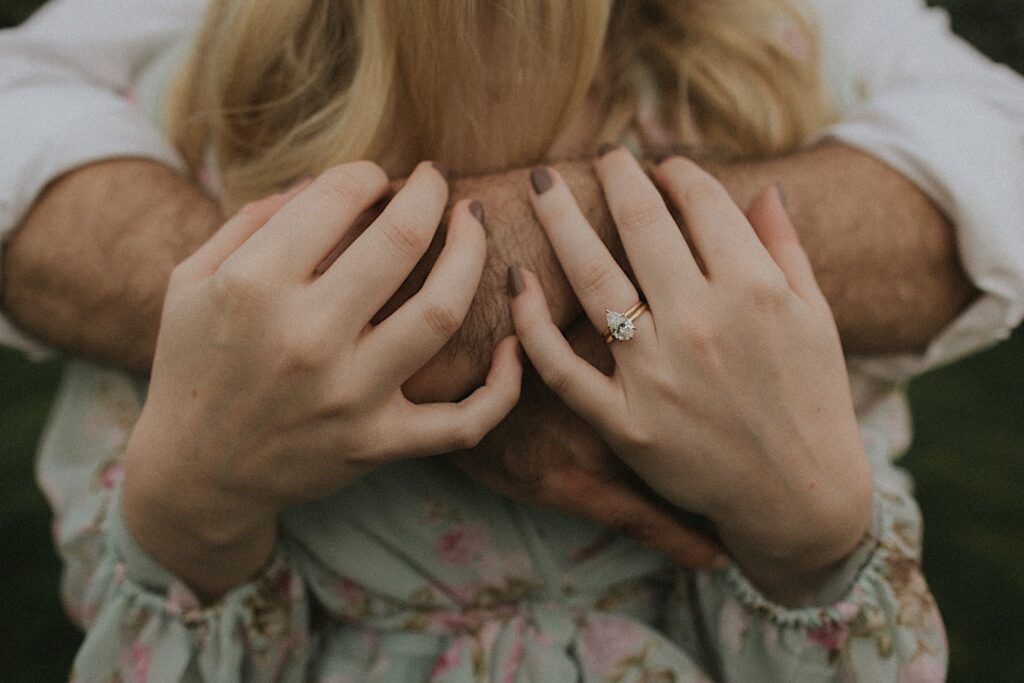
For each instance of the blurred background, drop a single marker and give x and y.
(967, 459)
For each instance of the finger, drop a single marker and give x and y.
(719, 230)
(237, 230)
(596, 278)
(447, 427)
(420, 328)
(591, 394)
(778, 235)
(303, 233)
(657, 252)
(624, 510)
(380, 259)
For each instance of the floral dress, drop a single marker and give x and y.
(417, 573)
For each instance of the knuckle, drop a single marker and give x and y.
(407, 235)
(641, 212)
(350, 184)
(701, 188)
(769, 291)
(466, 436)
(594, 275)
(441, 320)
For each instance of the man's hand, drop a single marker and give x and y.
(544, 454)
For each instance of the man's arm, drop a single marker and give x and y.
(86, 272)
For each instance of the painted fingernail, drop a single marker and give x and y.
(541, 179)
(782, 194)
(605, 148)
(477, 209)
(515, 281)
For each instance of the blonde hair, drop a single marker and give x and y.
(280, 90)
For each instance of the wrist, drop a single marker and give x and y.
(210, 538)
(792, 566)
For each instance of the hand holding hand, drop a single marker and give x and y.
(270, 385)
(732, 400)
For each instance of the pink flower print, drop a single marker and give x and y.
(110, 475)
(733, 625)
(463, 544)
(135, 663)
(450, 660)
(832, 637)
(609, 642)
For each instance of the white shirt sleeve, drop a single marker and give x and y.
(920, 99)
(65, 97)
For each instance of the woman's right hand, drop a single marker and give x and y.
(270, 385)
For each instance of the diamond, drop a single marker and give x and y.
(619, 326)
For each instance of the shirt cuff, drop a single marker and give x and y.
(968, 159)
(46, 142)
(839, 600)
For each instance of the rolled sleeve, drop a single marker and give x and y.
(65, 99)
(927, 104)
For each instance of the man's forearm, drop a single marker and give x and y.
(883, 253)
(88, 268)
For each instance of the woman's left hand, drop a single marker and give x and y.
(732, 400)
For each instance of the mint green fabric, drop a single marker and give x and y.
(415, 573)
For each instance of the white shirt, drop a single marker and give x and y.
(910, 92)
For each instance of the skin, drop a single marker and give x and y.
(772, 450)
(87, 272)
(271, 386)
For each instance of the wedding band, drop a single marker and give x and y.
(620, 325)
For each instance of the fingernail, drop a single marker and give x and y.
(720, 562)
(541, 179)
(605, 148)
(781, 194)
(477, 209)
(443, 170)
(515, 281)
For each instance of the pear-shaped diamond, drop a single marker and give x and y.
(620, 327)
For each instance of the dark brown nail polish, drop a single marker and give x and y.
(541, 179)
(515, 281)
(782, 194)
(605, 148)
(477, 209)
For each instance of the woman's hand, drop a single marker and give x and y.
(270, 386)
(732, 400)
(544, 454)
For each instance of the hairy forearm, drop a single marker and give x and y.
(884, 255)
(87, 270)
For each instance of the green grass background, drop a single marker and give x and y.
(968, 460)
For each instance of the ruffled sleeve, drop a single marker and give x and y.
(142, 624)
(875, 620)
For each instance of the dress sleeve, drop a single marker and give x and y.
(875, 619)
(919, 98)
(66, 100)
(141, 622)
